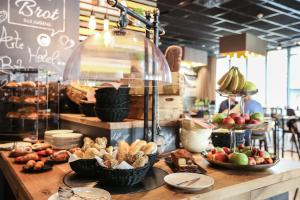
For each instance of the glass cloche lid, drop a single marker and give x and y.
(116, 55)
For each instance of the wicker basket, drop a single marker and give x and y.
(112, 114)
(122, 177)
(152, 159)
(124, 104)
(224, 139)
(87, 108)
(84, 167)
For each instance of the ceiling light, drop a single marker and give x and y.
(181, 3)
(203, 45)
(279, 47)
(298, 43)
(92, 21)
(259, 15)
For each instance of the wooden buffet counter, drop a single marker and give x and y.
(285, 177)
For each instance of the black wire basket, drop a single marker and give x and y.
(122, 177)
(224, 139)
(152, 159)
(87, 108)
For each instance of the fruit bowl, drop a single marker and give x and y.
(242, 167)
(240, 94)
(243, 158)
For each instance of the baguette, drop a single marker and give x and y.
(123, 148)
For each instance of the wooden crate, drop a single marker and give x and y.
(176, 88)
(170, 107)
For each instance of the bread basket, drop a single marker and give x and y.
(122, 177)
(84, 167)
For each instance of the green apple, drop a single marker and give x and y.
(257, 116)
(266, 154)
(218, 118)
(238, 158)
(248, 152)
(249, 86)
(219, 149)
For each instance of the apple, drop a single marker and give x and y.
(219, 149)
(213, 151)
(257, 116)
(249, 87)
(226, 150)
(246, 117)
(239, 120)
(254, 151)
(209, 155)
(261, 153)
(266, 154)
(220, 156)
(253, 121)
(259, 160)
(251, 161)
(238, 158)
(233, 115)
(248, 152)
(218, 118)
(228, 122)
(241, 146)
(268, 161)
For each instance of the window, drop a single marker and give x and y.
(294, 79)
(277, 78)
(257, 74)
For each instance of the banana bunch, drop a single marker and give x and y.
(233, 81)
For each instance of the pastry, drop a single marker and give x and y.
(123, 148)
(26, 158)
(28, 84)
(74, 149)
(60, 156)
(46, 152)
(134, 143)
(30, 164)
(31, 116)
(150, 148)
(20, 152)
(38, 165)
(92, 152)
(14, 99)
(13, 115)
(132, 158)
(42, 99)
(112, 163)
(30, 100)
(109, 150)
(141, 162)
(40, 146)
(102, 142)
(107, 156)
(87, 143)
(79, 153)
(137, 147)
(12, 84)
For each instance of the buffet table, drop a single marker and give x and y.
(285, 177)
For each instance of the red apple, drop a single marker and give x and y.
(261, 153)
(213, 151)
(220, 156)
(209, 155)
(228, 122)
(241, 146)
(226, 150)
(246, 117)
(251, 161)
(233, 115)
(254, 121)
(239, 120)
(268, 161)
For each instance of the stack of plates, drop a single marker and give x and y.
(48, 134)
(66, 140)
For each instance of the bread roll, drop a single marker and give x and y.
(112, 163)
(40, 146)
(109, 150)
(150, 148)
(136, 148)
(141, 162)
(134, 143)
(132, 158)
(30, 164)
(102, 142)
(123, 148)
(107, 156)
(39, 165)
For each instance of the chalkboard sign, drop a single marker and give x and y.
(37, 33)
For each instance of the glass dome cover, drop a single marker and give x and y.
(116, 55)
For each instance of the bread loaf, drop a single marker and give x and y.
(137, 147)
(123, 148)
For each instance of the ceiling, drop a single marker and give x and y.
(196, 24)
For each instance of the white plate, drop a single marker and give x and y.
(88, 193)
(9, 146)
(176, 178)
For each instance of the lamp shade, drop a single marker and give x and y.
(242, 45)
(116, 55)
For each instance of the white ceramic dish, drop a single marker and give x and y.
(193, 181)
(195, 140)
(87, 194)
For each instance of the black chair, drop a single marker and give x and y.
(295, 129)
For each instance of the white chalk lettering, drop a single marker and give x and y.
(6, 63)
(11, 42)
(42, 56)
(29, 8)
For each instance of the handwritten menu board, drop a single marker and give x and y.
(38, 33)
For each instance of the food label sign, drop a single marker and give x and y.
(37, 33)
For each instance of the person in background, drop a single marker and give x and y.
(250, 106)
(224, 104)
